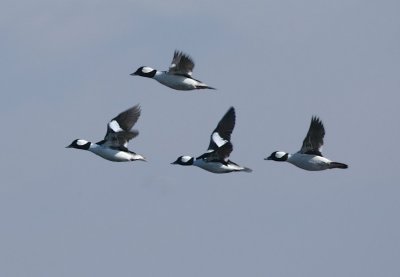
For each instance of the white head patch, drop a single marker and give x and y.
(279, 154)
(185, 159)
(147, 69)
(81, 142)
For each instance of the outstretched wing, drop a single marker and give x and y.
(125, 120)
(119, 128)
(182, 64)
(222, 133)
(312, 143)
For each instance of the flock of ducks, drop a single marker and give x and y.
(114, 146)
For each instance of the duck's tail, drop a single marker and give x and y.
(246, 169)
(338, 165)
(204, 87)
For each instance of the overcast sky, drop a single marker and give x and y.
(64, 74)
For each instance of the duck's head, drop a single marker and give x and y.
(79, 144)
(184, 160)
(145, 71)
(278, 156)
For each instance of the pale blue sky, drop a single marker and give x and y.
(65, 73)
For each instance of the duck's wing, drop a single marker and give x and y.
(314, 140)
(119, 131)
(182, 64)
(222, 133)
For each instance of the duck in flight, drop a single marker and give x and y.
(114, 146)
(178, 76)
(309, 157)
(216, 159)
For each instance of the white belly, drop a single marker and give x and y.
(113, 155)
(176, 82)
(309, 162)
(217, 167)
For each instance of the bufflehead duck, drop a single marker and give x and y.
(309, 157)
(179, 75)
(114, 146)
(216, 158)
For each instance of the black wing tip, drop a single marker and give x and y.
(316, 121)
(179, 52)
(231, 110)
(227, 123)
(134, 111)
(136, 108)
(230, 115)
(182, 55)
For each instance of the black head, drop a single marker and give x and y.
(184, 160)
(278, 156)
(145, 71)
(79, 144)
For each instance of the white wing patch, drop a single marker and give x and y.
(114, 126)
(218, 140)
